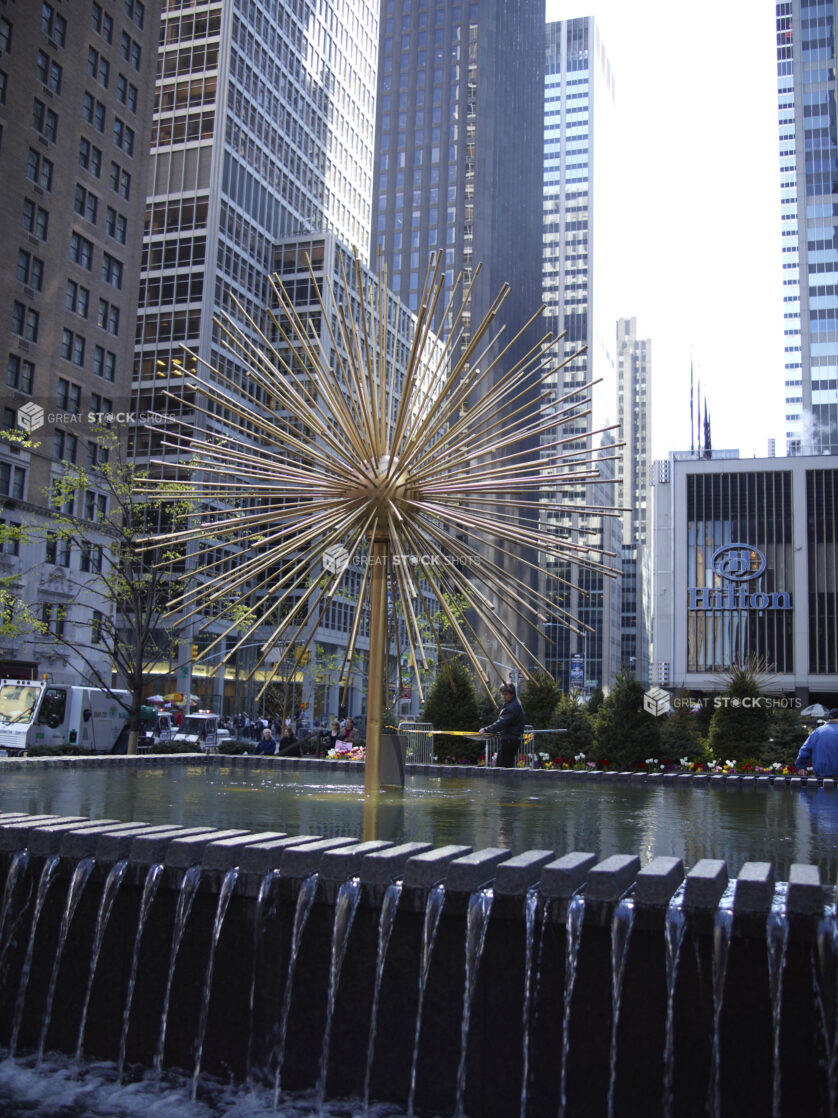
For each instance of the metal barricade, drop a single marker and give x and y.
(420, 742)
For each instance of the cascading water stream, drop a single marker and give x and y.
(387, 919)
(722, 926)
(345, 908)
(823, 958)
(621, 925)
(111, 888)
(531, 915)
(574, 923)
(305, 898)
(776, 941)
(152, 880)
(188, 889)
(265, 887)
(673, 938)
(224, 895)
(81, 875)
(17, 868)
(47, 874)
(477, 921)
(433, 911)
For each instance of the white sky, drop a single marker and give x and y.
(700, 266)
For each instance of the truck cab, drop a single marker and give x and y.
(35, 712)
(200, 730)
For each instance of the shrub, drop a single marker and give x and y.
(452, 705)
(571, 714)
(626, 733)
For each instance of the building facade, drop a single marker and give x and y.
(746, 569)
(808, 122)
(75, 113)
(579, 99)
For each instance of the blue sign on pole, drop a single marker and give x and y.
(577, 670)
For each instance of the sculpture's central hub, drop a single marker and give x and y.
(382, 484)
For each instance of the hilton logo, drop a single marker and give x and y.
(737, 564)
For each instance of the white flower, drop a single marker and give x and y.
(684, 762)
(579, 757)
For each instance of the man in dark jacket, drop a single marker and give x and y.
(509, 727)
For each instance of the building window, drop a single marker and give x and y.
(130, 50)
(104, 363)
(39, 169)
(127, 93)
(12, 481)
(116, 225)
(53, 25)
(98, 67)
(11, 545)
(101, 22)
(35, 219)
(120, 181)
(72, 347)
(64, 446)
(77, 298)
(111, 270)
(53, 616)
(86, 204)
(81, 251)
(123, 136)
(5, 34)
(90, 157)
(97, 626)
(93, 112)
(108, 317)
(20, 374)
(135, 11)
(25, 321)
(49, 72)
(45, 120)
(68, 396)
(30, 270)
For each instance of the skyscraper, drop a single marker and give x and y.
(578, 213)
(458, 159)
(634, 360)
(75, 112)
(807, 89)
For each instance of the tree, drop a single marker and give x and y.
(110, 588)
(452, 705)
(539, 696)
(786, 734)
(626, 733)
(572, 715)
(679, 730)
(739, 727)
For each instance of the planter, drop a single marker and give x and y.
(393, 750)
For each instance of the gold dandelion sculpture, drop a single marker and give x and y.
(435, 460)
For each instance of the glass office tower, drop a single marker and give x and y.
(578, 212)
(806, 86)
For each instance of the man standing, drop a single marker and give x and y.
(820, 750)
(509, 727)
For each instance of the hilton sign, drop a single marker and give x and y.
(737, 564)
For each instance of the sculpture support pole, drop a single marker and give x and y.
(377, 661)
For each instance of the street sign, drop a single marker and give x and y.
(577, 670)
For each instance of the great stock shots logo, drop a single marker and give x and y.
(737, 564)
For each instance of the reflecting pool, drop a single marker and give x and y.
(689, 821)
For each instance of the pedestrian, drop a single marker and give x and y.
(820, 750)
(267, 744)
(509, 727)
(288, 744)
(350, 734)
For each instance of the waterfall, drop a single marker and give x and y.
(776, 941)
(722, 926)
(81, 875)
(386, 920)
(226, 891)
(621, 925)
(573, 939)
(673, 938)
(47, 874)
(265, 887)
(112, 884)
(531, 914)
(477, 921)
(345, 908)
(17, 867)
(433, 911)
(188, 889)
(305, 898)
(823, 958)
(152, 880)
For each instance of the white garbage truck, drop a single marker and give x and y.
(35, 712)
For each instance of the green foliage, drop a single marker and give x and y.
(626, 733)
(679, 731)
(786, 734)
(571, 714)
(452, 705)
(740, 723)
(597, 698)
(539, 696)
